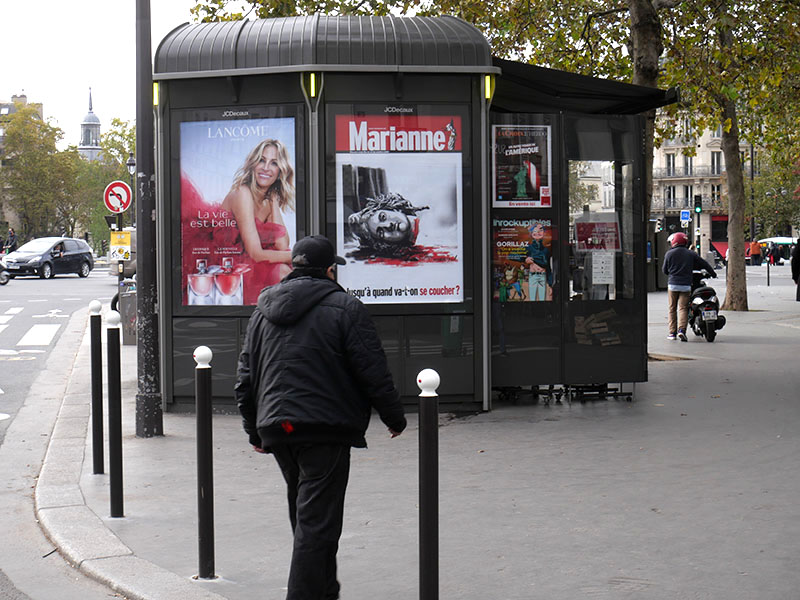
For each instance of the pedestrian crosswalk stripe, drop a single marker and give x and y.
(2, 327)
(39, 335)
(5, 318)
(14, 310)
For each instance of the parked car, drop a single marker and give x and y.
(50, 256)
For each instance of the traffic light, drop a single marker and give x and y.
(659, 225)
(698, 204)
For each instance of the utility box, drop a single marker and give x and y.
(127, 311)
(430, 165)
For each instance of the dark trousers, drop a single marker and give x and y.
(316, 480)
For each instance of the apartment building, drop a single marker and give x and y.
(678, 177)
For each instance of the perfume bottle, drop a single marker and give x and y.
(200, 288)
(228, 284)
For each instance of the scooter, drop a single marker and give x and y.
(4, 275)
(704, 317)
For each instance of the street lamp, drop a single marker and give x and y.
(131, 164)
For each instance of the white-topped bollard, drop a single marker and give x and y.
(96, 353)
(113, 319)
(202, 356)
(205, 462)
(428, 382)
(114, 414)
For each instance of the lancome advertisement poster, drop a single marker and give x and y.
(238, 207)
(398, 208)
(522, 260)
(521, 166)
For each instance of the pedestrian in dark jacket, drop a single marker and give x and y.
(11, 242)
(796, 268)
(679, 262)
(311, 370)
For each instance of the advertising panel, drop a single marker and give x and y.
(597, 232)
(237, 208)
(522, 260)
(521, 166)
(399, 207)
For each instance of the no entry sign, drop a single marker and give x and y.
(117, 196)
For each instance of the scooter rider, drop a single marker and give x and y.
(679, 262)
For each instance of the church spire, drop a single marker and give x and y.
(89, 146)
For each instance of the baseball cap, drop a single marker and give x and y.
(315, 251)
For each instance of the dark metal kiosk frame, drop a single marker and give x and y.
(434, 168)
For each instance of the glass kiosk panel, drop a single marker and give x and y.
(605, 296)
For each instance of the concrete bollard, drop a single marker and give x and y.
(428, 382)
(205, 467)
(114, 414)
(96, 344)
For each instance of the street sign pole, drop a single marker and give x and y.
(149, 411)
(118, 197)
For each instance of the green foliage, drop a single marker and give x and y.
(207, 11)
(53, 191)
(771, 199)
(35, 177)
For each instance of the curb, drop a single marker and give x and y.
(80, 534)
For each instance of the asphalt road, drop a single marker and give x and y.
(34, 338)
(33, 313)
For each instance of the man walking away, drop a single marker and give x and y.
(679, 262)
(796, 268)
(311, 369)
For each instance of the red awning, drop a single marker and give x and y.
(721, 248)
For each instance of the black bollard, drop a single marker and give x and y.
(95, 326)
(428, 381)
(114, 415)
(205, 467)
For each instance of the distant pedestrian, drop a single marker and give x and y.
(11, 241)
(311, 369)
(755, 253)
(796, 269)
(774, 254)
(679, 262)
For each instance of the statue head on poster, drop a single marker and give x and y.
(387, 225)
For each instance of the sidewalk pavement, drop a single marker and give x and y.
(689, 491)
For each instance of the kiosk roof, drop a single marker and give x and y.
(530, 89)
(322, 43)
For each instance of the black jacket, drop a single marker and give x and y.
(312, 367)
(679, 262)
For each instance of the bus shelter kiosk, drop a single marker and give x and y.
(491, 213)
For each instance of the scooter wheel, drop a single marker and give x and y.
(711, 331)
(4, 277)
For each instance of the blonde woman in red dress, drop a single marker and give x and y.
(262, 188)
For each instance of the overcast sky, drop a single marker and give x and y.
(55, 51)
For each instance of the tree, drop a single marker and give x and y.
(730, 56)
(771, 199)
(207, 11)
(117, 145)
(72, 205)
(35, 178)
